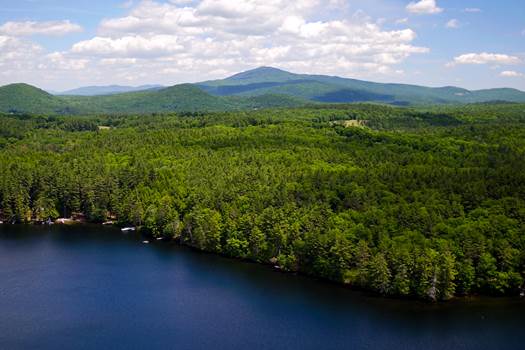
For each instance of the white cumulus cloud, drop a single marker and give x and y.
(129, 46)
(16, 53)
(55, 28)
(485, 58)
(424, 7)
(452, 24)
(188, 41)
(191, 39)
(511, 74)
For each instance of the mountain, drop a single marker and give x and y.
(107, 90)
(183, 97)
(254, 76)
(24, 98)
(258, 88)
(332, 89)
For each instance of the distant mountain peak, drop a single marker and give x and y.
(269, 69)
(261, 73)
(265, 69)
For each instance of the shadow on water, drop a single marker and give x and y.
(94, 287)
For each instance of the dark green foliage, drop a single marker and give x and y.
(23, 98)
(427, 204)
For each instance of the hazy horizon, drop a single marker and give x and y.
(153, 84)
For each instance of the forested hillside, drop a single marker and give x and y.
(419, 203)
(23, 98)
(16, 98)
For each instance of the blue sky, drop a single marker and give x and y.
(60, 44)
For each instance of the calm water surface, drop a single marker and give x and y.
(95, 288)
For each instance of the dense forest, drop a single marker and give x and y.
(426, 203)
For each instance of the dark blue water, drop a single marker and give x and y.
(95, 288)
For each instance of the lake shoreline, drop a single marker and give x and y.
(150, 239)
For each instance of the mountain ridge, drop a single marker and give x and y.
(23, 98)
(262, 87)
(274, 80)
(97, 90)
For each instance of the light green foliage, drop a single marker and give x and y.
(379, 274)
(204, 229)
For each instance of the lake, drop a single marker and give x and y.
(90, 287)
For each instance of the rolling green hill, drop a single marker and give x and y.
(185, 97)
(23, 98)
(17, 98)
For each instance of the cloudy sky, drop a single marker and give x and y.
(63, 44)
